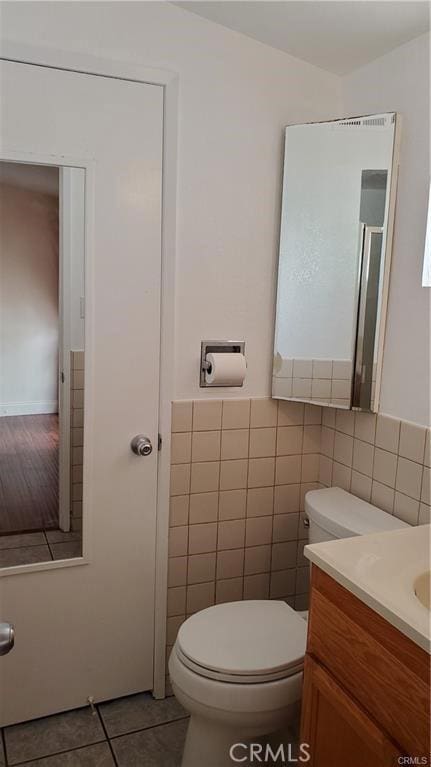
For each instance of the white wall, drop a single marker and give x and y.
(28, 301)
(236, 96)
(399, 82)
(72, 229)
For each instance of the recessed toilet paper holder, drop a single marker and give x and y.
(236, 347)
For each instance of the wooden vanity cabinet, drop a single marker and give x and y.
(337, 728)
(366, 685)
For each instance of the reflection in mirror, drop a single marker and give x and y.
(41, 362)
(331, 277)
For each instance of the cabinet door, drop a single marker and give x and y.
(337, 730)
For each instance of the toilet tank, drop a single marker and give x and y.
(334, 513)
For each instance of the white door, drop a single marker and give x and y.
(86, 629)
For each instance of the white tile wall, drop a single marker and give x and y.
(380, 459)
(239, 473)
(326, 382)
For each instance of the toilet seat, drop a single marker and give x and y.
(237, 678)
(247, 642)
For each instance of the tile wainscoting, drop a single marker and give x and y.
(239, 473)
(323, 381)
(76, 436)
(378, 458)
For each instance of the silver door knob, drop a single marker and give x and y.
(141, 445)
(7, 638)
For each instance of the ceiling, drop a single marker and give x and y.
(37, 178)
(337, 36)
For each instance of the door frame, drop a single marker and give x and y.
(84, 63)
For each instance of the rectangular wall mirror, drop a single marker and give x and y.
(41, 362)
(333, 274)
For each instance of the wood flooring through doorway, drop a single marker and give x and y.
(28, 473)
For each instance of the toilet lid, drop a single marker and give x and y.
(249, 641)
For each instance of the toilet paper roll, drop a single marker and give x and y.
(227, 369)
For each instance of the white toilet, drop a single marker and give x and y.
(237, 667)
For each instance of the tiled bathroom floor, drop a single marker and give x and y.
(137, 731)
(46, 545)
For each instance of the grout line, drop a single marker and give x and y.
(145, 729)
(218, 520)
(50, 549)
(102, 723)
(244, 576)
(3, 744)
(39, 759)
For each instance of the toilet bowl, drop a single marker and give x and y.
(237, 667)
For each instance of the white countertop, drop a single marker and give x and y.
(380, 570)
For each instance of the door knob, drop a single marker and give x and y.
(141, 445)
(7, 638)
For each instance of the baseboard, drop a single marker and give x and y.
(27, 408)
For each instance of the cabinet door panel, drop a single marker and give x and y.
(337, 729)
(387, 673)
